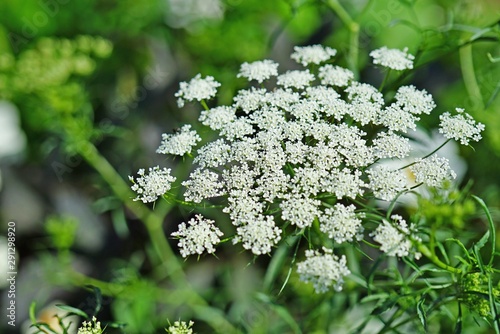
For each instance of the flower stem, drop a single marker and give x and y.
(153, 221)
(434, 259)
(353, 28)
(469, 76)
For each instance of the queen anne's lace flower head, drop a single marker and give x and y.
(460, 127)
(323, 270)
(341, 223)
(432, 171)
(198, 236)
(153, 185)
(295, 79)
(197, 89)
(259, 70)
(180, 142)
(312, 54)
(303, 154)
(394, 237)
(386, 183)
(259, 234)
(335, 75)
(393, 58)
(415, 101)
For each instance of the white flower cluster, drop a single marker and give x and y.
(179, 143)
(198, 236)
(259, 70)
(393, 58)
(460, 127)
(153, 185)
(197, 89)
(394, 237)
(312, 54)
(90, 327)
(305, 154)
(323, 270)
(180, 327)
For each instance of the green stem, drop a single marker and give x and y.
(469, 76)
(428, 155)
(353, 28)
(386, 77)
(434, 259)
(152, 221)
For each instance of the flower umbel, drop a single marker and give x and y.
(309, 157)
(323, 270)
(180, 327)
(153, 185)
(395, 237)
(460, 127)
(199, 235)
(393, 58)
(312, 54)
(197, 89)
(179, 143)
(259, 70)
(90, 327)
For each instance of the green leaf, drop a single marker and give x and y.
(277, 261)
(32, 312)
(422, 314)
(98, 296)
(72, 310)
(491, 227)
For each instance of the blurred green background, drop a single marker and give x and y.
(106, 71)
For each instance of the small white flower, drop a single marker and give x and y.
(300, 210)
(259, 70)
(90, 327)
(238, 129)
(432, 171)
(153, 185)
(341, 223)
(180, 142)
(216, 118)
(180, 327)
(243, 207)
(202, 184)
(199, 235)
(344, 183)
(391, 145)
(395, 237)
(415, 101)
(393, 58)
(286, 98)
(396, 119)
(323, 270)
(295, 79)
(197, 89)
(312, 54)
(461, 127)
(258, 234)
(213, 154)
(359, 92)
(271, 184)
(249, 100)
(386, 183)
(335, 75)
